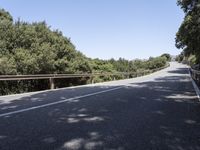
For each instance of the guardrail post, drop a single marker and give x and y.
(198, 80)
(123, 76)
(128, 76)
(52, 85)
(91, 79)
(114, 78)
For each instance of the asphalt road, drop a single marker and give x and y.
(155, 112)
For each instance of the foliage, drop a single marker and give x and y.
(192, 59)
(188, 35)
(33, 48)
(101, 66)
(4, 15)
(168, 56)
(179, 57)
(157, 62)
(7, 66)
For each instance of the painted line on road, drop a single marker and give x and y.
(194, 85)
(58, 102)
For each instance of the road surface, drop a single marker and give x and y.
(155, 112)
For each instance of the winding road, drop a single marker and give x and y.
(156, 112)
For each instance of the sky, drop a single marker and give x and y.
(107, 28)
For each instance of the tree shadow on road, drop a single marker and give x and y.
(179, 71)
(161, 114)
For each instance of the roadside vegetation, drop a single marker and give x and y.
(34, 48)
(188, 35)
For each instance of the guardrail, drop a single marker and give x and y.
(51, 77)
(195, 74)
(91, 76)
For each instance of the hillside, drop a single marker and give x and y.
(33, 48)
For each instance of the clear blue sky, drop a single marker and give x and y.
(107, 28)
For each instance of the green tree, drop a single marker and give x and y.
(188, 35)
(4, 15)
(7, 66)
(157, 62)
(167, 56)
(34, 48)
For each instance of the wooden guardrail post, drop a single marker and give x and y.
(52, 84)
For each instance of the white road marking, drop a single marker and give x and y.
(58, 102)
(152, 77)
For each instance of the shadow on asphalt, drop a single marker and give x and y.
(160, 115)
(179, 71)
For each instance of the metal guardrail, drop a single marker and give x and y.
(40, 76)
(195, 74)
(51, 77)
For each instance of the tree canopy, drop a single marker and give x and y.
(188, 35)
(34, 48)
